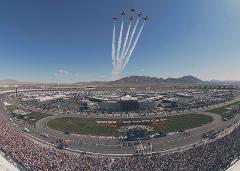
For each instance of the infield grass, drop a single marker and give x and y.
(36, 116)
(222, 110)
(89, 125)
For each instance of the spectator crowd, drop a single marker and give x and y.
(32, 156)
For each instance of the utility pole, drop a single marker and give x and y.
(16, 92)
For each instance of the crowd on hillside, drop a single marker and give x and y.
(30, 156)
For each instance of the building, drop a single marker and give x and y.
(126, 104)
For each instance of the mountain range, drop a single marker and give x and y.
(155, 80)
(138, 80)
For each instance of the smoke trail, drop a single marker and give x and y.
(119, 41)
(133, 47)
(113, 47)
(131, 38)
(126, 39)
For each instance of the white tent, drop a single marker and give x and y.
(235, 167)
(5, 165)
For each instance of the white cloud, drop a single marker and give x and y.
(62, 75)
(64, 72)
(102, 76)
(61, 72)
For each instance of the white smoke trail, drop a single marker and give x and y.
(116, 70)
(121, 53)
(119, 42)
(131, 38)
(133, 47)
(126, 40)
(113, 47)
(120, 60)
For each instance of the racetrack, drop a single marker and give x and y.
(111, 145)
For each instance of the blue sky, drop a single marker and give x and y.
(70, 41)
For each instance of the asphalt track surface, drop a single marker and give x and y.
(112, 146)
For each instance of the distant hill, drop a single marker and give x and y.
(9, 81)
(12, 81)
(223, 82)
(189, 79)
(155, 80)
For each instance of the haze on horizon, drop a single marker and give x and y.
(70, 41)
